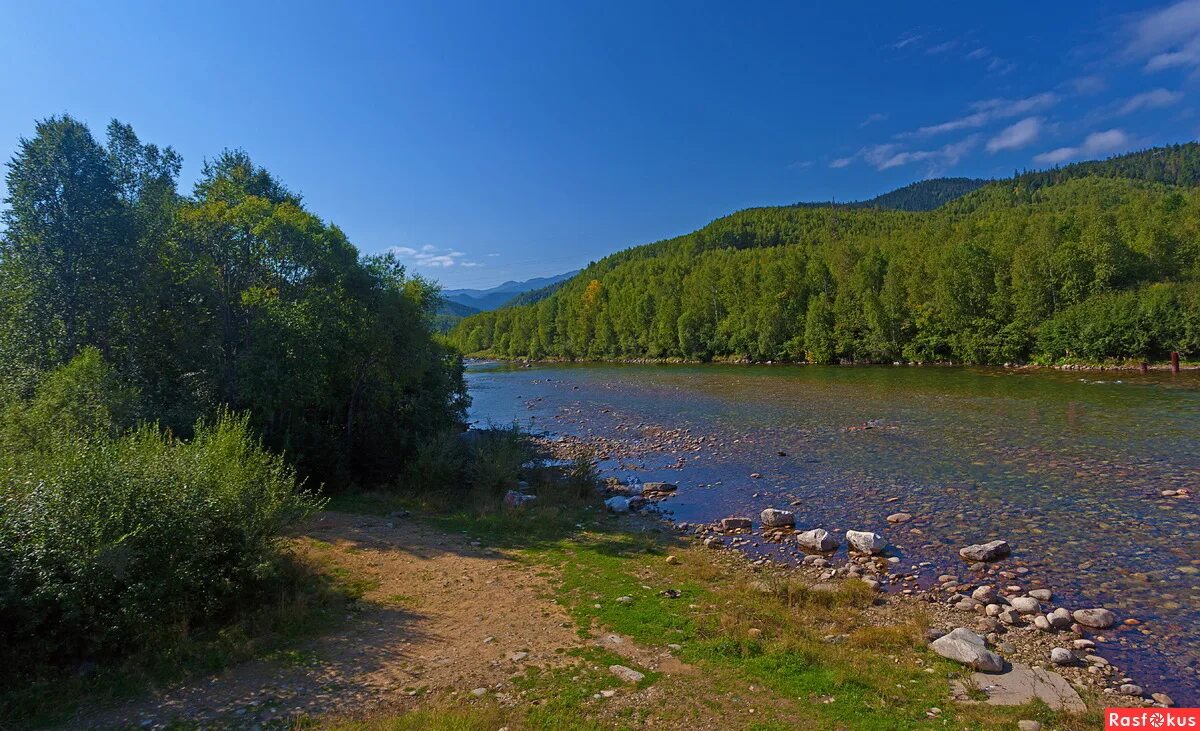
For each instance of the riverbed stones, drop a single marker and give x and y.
(897, 518)
(1025, 605)
(1095, 618)
(775, 518)
(985, 594)
(659, 487)
(1162, 699)
(617, 504)
(819, 540)
(1022, 684)
(980, 552)
(964, 646)
(1131, 689)
(1061, 656)
(1059, 619)
(1042, 624)
(1042, 595)
(866, 541)
(728, 524)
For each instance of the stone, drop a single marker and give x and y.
(1131, 689)
(1083, 644)
(872, 583)
(629, 675)
(1010, 617)
(774, 518)
(1042, 595)
(517, 656)
(1059, 619)
(624, 600)
(989, 551)
(514, 499)
(819, 540)
(1095, 618)
(866, 541)
(897, 518)
(728, 524)
(659, 487)
(968, 648)
(1162, 699)
(1042, 624)
(672, 560)
(713, 542)
(985, 594)
(479, 692)
(1022, 684)
(1025, 605)
(617, 504)
(1028, 725)
(1061, 656)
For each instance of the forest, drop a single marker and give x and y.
(183, 374)
(1091, 262)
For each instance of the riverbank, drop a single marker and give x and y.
(468, 622)
(1131, 366)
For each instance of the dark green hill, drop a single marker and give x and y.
(924, 195)
(1091, 261)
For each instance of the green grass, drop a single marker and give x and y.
(739, 629)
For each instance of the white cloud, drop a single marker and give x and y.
(872, 119)
(1168, 38)
(990, 110)
(1152, 99)
(941, 48)
(908, 40)
(1097, 143)
(977, 54)
(891, 155)
(1088, 84)
(1016, 136)
(431, 257)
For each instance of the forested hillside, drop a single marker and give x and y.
(923, 195)
(1092, 261)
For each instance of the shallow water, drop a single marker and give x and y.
(1066, 466)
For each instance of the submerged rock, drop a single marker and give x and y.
(819, 540)
(866, 541)
(989, 551)
(896, 518)
(775, 518)
(735, 524)
(964, 646)
(1095, 618)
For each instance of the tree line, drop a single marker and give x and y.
(233, 296)
(1089, 262)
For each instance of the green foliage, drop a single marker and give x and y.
(1005, 273)
(236, 297)
(923, 195)
(110, 541)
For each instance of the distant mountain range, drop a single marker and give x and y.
(483, 300)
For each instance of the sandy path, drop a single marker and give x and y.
(446, 616)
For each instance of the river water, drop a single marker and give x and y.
(1068, 467)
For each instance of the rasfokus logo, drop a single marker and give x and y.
(1151, 718)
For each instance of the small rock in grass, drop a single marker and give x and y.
(968, 648)
(1028, 725)
(629, 675)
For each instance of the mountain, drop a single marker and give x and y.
(1093, 261)
(924, 195)
(490, 299)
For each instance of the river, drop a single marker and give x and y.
(1068, 467)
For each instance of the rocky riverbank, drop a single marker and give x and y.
(990, 615)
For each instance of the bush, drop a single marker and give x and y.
(109, 544)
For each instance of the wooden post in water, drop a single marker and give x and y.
(1145, 367)
(1174, 361)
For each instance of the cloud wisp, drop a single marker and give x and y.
(1153, 99)
(431, 257)
(1097, 143)
(891, 155)
(989, 110)
(1016, 136)
(1167, 38)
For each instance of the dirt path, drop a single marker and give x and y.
(443, 615)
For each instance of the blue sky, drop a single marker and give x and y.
(505, 140)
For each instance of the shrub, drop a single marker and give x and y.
(108, 544)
